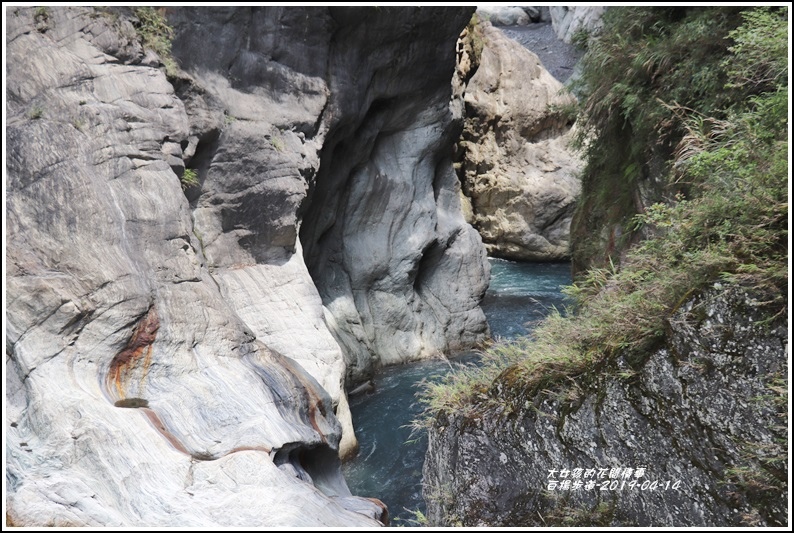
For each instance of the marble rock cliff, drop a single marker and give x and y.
(570, 20)
(178, 357)
(699, 424)
(519, 173)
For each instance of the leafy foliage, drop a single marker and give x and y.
(189, 179)
(156, 35)
(41, 18)
(645, 59)
(759, 58)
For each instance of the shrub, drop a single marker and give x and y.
(156, 35)
(35, 112)
(643, 59)
(189, 179)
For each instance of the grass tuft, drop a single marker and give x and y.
(156, 34)
(189, 179)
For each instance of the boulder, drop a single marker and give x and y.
(507, 16)
(514, 156)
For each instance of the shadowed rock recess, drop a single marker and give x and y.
(173, 358)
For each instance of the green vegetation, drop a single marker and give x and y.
(568, 112)
(35, 112)
(645, 60)
(476, 37)
(189, 179)
(723, 159)
(581, 39)
(419, 520)
(156, 35)
(277, 142)
(41, 18)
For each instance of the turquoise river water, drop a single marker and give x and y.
(389, 463)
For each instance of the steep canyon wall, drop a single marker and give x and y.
(174, 358)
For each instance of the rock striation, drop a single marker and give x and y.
(514, 157)
(695, 415)
(399, 270)
(172, 356)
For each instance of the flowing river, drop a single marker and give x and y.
(389, 463)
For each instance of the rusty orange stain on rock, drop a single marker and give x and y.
(315, 404)
(384, 515)
(137, 353)
(160, 427)
(250, 449)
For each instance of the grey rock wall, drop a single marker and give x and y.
(568, 20)
(254, 100)
(342, 137)
(705, 416)
(399, 270)
(169, 355)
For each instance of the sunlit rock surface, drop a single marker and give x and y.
(516, 163)
(570, 20)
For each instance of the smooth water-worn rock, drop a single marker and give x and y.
(516, 164)
(316, 136)
(399, 270)
(570, 20)
(308, 135)
(704, 416)
(169, 360)
(255, 143)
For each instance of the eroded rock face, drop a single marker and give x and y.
(399, 270)
(254, 103)
(696, 414)
(516, 163)
(344, 136)
(568, 20)
(164, 356)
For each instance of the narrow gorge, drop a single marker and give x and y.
(222, 220)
